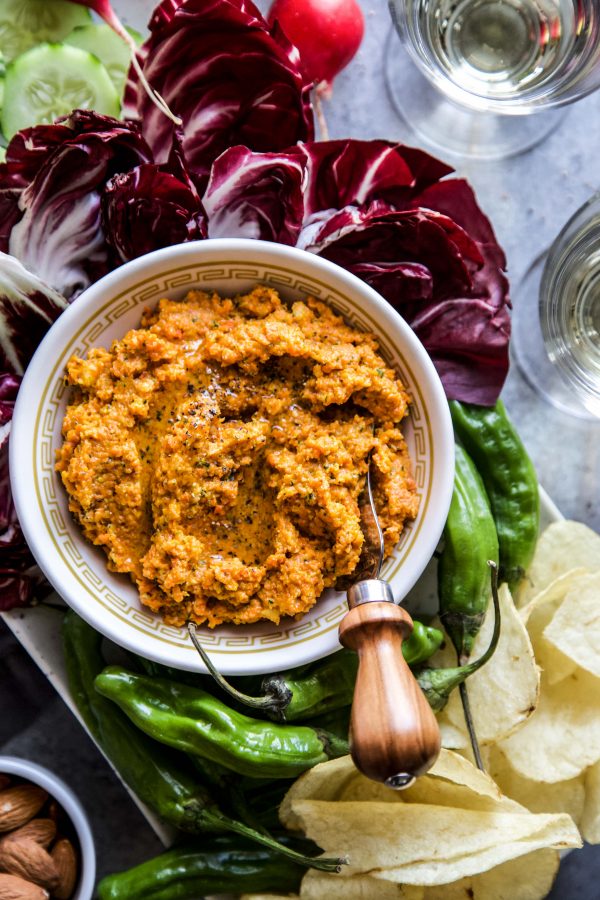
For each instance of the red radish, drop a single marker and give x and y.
(327, 34)
(106, 12)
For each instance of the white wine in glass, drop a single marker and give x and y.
(504, 58)
(556, 318)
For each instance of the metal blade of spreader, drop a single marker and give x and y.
(371, 557)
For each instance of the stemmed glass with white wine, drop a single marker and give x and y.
(556, 340)
(476, 70)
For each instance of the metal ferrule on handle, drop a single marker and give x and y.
(370, 591)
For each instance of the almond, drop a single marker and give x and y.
(65, 860)
(19, 804)
(54, 812)
(28, 860)
(42, 831)
(4, 781)
(13, 888)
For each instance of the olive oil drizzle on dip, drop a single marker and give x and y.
(217, 452)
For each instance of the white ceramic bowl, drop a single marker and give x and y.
(22, 768)
(112, 306)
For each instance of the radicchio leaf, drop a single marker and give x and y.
(148, 208)
(59, 236)
(230, 79)
(163, 13)
(455, 198)
(347, 172)
(11, 188)
(28, 307)
(462, 322)
(27, 151)
(256, 195)
(20, 578)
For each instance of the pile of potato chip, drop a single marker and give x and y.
(543, 751)
(459, 833)
(553, 762)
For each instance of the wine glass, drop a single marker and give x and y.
(556, 317)
(476, 70)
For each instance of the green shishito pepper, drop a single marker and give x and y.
(510, 480)
(152, 772)
(223, 865)
(438, 684)
(158, 776)
(192, 720)
(470, 540)
(330, 684)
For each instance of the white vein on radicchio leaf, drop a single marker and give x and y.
(28, 307)
(256, 195)
(231, 79)
(59, 235)
(27, 151)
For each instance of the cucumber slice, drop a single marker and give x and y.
(50, 81)
(111, 50)
(2, 74)
(2, 154)
(25, 23)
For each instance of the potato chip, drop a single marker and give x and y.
(504, 692)
(554, 663)
(590, 820)
(538, 614)
(452, 779)
(562, 738)
(558, 832)
(431, 791)
(368, 791)
(458, 890)
(468, 828)
(575, 628)
(529, 877)
(562, 796)
(562, 546)
(319, 886)
(324, 781)
(414, 843)
(455, 782)
(454, 737)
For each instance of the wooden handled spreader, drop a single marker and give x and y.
(394, 735)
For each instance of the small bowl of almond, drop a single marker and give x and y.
(46, 845)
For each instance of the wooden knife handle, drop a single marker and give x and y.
(394, 735)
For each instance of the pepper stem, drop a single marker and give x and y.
(464, 695)
(274, 700)
(464, 699)
(325, 864)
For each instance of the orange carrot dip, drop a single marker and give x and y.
(217, 453)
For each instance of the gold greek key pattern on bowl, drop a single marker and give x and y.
(52, 501)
